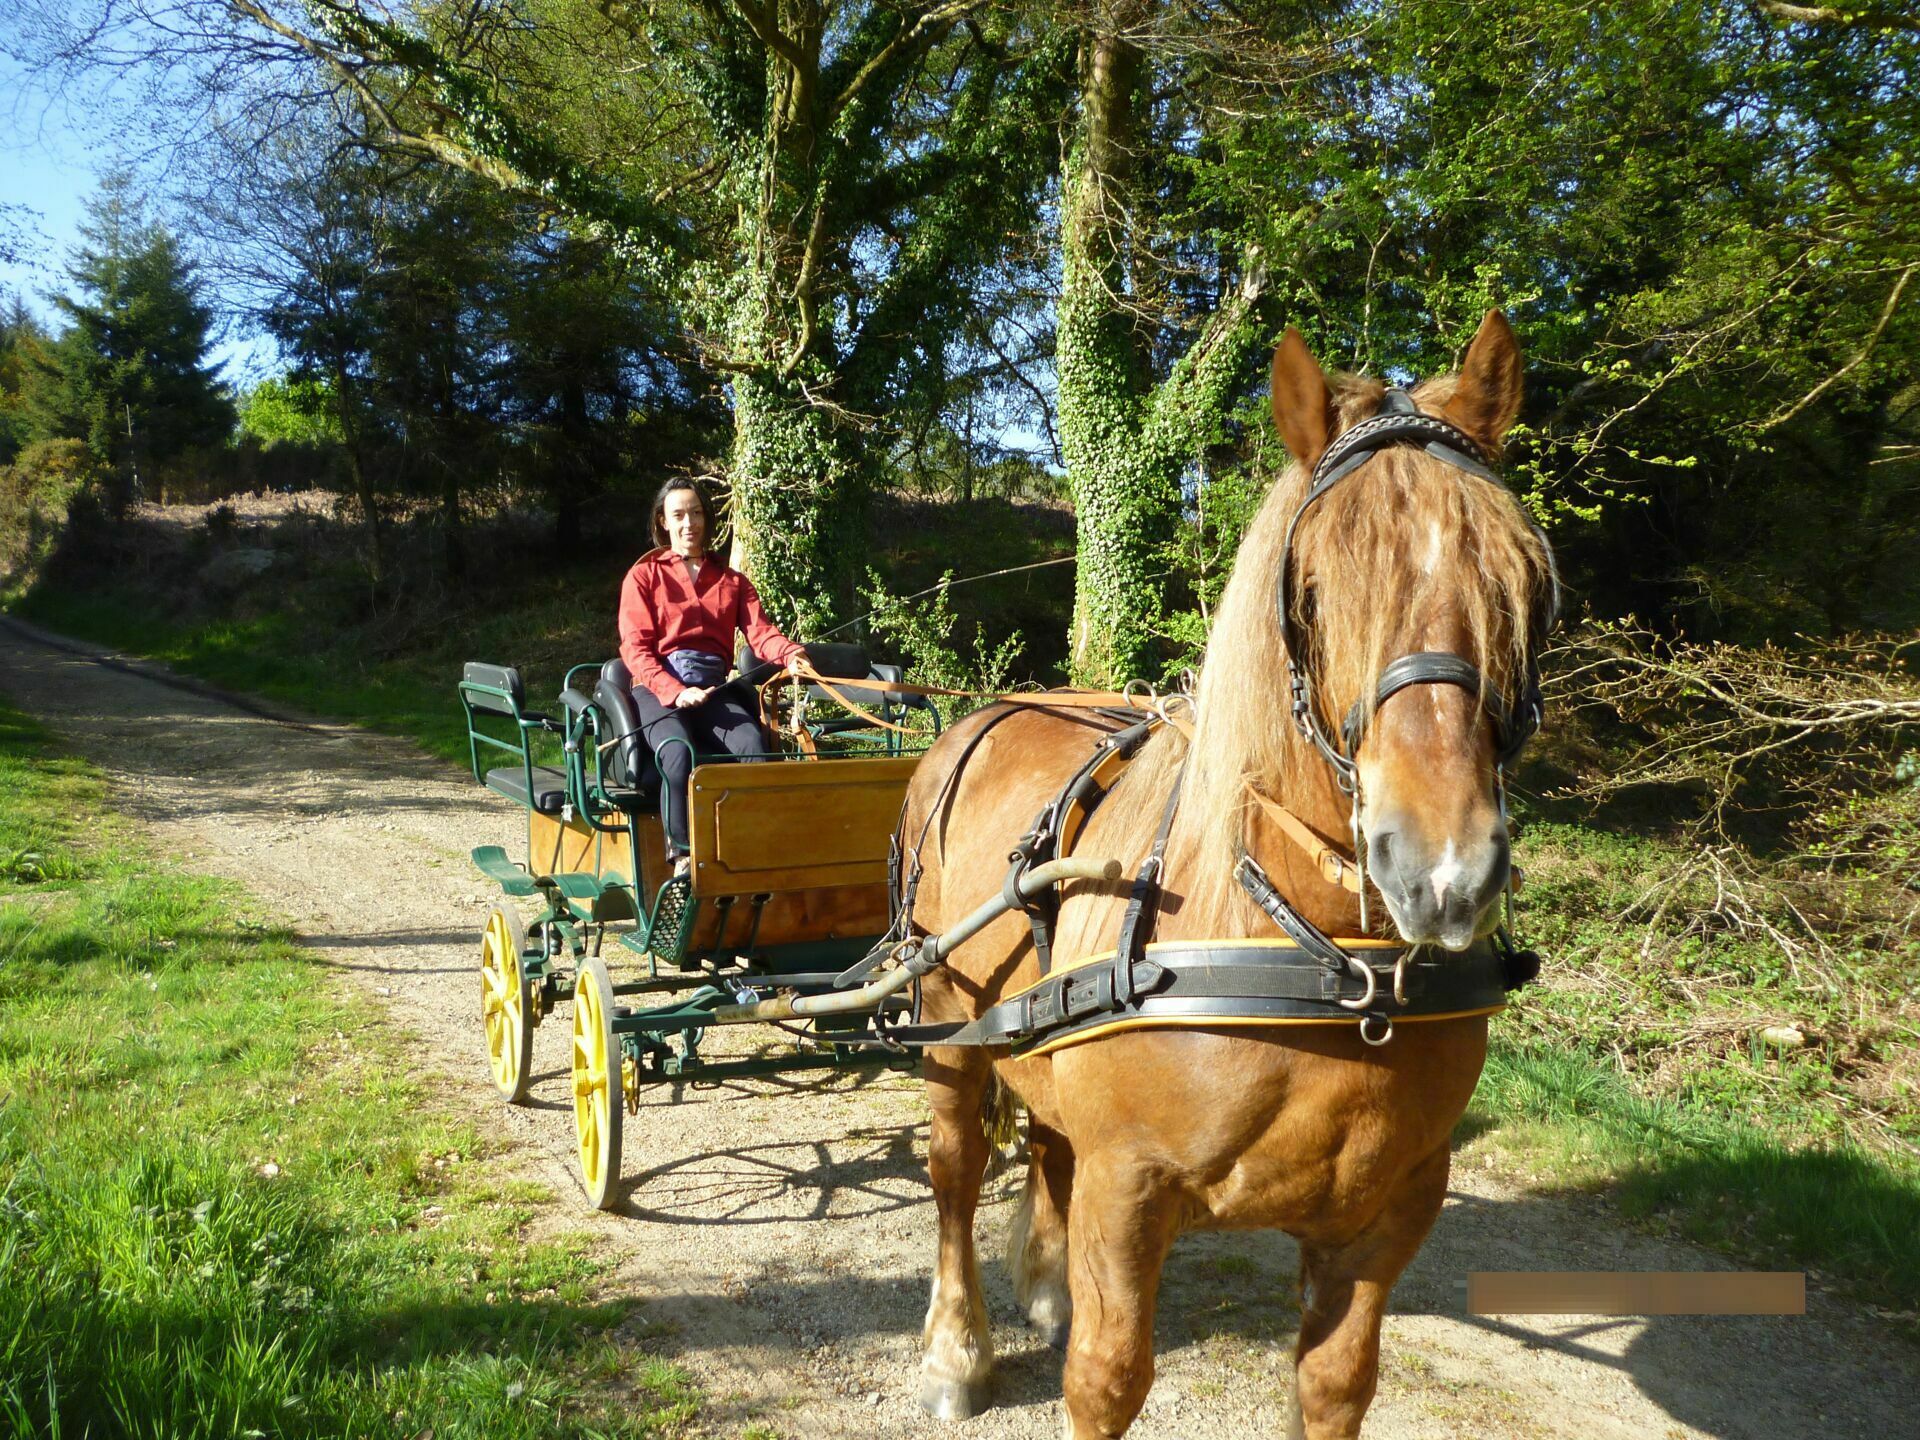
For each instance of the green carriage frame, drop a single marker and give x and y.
(700, 961)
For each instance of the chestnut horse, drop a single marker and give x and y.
(1139, 1135)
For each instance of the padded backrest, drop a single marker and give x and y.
(838, 660)
(830, 657)
(630, 763)
(494, 677)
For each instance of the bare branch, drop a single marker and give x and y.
(924, 32)
(1866, 349)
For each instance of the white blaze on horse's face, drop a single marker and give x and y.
(1437, 846)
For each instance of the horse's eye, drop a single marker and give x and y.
(1309, 599)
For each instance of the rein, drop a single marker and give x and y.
(1137, 697)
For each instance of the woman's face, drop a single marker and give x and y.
(686, 524)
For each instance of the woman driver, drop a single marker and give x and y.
(679, 610)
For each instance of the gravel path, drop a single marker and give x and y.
(780, 1233)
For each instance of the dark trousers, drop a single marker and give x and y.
(720, 725)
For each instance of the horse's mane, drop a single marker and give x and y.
(1380, 546)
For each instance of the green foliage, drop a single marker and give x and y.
(129, 374)
(925, 633)
(1703, 238)
(38, 493)
(222, 1211)
(22, 345)
(290, 409)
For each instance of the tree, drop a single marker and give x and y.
(1705, 226)
(1157, 326)
(129, 374)
(22, 344)
(816, 191)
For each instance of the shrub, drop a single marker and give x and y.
(39, 497)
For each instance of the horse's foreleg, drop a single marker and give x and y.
(1037, 1246)
(1344, 1292)
(958, 1350)
(1120, 1228)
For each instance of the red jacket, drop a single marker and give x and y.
(662, 610)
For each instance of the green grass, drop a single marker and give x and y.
(1568, 1122)
(1636, 1069)
(224, 1210)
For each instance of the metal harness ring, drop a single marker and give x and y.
(1359, 967)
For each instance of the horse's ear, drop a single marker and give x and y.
(1302, 403)
(1486, 397)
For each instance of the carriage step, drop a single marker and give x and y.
(575, 885)
(493, 863)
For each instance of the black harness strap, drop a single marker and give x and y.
(1041, 843)
(1226, 984)
(1311, 939)
(1144, 904)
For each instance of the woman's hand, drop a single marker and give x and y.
(794, 663)
(690, 697)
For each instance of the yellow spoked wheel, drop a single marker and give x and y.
(597, 1097)
(504, 1007)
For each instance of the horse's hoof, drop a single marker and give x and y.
(1056, 1334)
(951, 1399)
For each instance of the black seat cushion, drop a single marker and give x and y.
(831, 658)
(629, 764)
(839, 661)
(549, 787)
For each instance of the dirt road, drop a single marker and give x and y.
(780, 1233)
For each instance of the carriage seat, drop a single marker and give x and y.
(549, 791)
(628, 766)
(496, 690)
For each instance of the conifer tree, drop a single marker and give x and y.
(129, 375)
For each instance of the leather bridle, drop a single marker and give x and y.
(1515, 718)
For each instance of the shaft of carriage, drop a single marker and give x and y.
(916, 957)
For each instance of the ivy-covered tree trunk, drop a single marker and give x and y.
(798, 508)
(1126, 440)
(795, 468)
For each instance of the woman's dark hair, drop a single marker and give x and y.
(681, 482)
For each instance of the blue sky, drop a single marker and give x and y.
(51, 158)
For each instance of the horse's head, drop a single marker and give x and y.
(1413, 590)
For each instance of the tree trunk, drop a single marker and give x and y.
(799, 504)
(576, 477)
(1127, 441)
(798, 474)
(352, 445)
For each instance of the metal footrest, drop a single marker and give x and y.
(671, 926)
(493, 863)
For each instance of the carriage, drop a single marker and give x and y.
(786, 889)
(783, 918)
